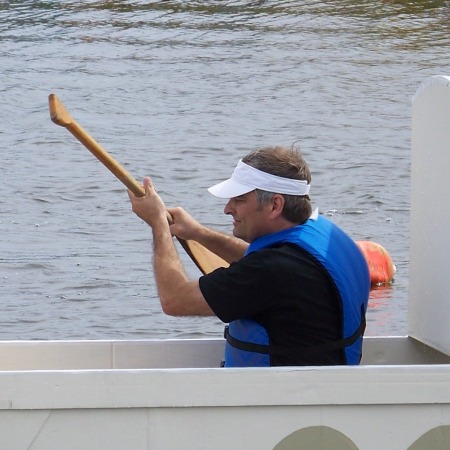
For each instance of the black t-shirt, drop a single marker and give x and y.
(287, 291)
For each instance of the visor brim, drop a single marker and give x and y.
(229, 189)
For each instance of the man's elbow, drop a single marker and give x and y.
(170, 306)
(185, 300)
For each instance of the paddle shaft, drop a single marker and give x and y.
(204, 259)
(60, 116)
(109, 162)
(106, 159)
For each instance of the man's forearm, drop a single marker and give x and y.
(226, 246)
(168, 269)
(179, 296)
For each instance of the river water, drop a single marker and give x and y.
(180, 91)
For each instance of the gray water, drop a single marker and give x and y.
(180, 91)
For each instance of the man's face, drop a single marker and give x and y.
(250, 219)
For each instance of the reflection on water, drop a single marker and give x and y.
(179, 91)
(381, 312)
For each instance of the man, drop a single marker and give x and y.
(297, 287)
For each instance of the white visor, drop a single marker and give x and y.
(246, 179)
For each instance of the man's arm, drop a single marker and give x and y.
(179, 296)
(226, 246)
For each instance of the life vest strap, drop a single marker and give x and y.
(280, 350)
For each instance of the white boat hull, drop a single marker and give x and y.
(134, 395)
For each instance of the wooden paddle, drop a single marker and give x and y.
(205, 260)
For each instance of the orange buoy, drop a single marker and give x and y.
(381, 267)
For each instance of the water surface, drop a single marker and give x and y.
(180, 91)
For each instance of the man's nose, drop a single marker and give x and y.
(227, 209)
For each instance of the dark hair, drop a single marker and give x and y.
(287, 163)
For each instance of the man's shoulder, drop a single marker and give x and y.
(281, 252)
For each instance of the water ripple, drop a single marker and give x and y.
(180, 91)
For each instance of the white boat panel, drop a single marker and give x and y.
(429, 308)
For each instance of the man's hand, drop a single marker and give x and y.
(184, 226)
(150, 208)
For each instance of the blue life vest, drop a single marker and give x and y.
(248, 343)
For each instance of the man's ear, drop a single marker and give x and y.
(277, 205)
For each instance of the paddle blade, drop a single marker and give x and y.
(205, 260)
